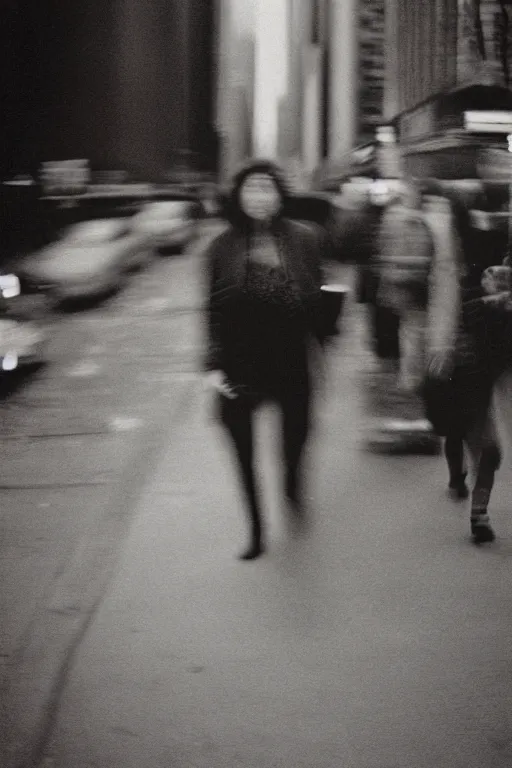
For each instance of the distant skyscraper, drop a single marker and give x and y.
(235, 85)
(318, 75)
(271, 72)
(434, 46)
(290, 110)
(343, 77)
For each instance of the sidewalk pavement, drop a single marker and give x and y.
(380, 638)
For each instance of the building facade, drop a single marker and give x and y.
(371, 68)
(449, 59)
(437, 46)
(234, 103)
(128, 85)
(326, 69)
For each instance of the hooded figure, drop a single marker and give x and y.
(264, 309)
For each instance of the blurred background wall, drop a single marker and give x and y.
(128, 84)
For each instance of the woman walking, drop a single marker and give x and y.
(384, 320)
(264, 309)
(469, 357)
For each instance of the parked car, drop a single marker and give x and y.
(22, 336)
(90, 259)
(170, 223)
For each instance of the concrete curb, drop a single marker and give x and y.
(36, 678)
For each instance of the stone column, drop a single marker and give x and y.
(271, 69)
(471, 67)
(236, 82)
(467, 49)
(153, 57)
(291, 104)
(312, 112)
(391, 105)
(223, 106)
(439, 45)
(343, 77)
(222, 53)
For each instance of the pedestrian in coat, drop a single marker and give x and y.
(384, 320)
(472, 352)
(264, 314)
(406, 247)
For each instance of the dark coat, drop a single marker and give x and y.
(226, 259)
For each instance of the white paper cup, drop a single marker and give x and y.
(334, 295)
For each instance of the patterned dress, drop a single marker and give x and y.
(270, 353)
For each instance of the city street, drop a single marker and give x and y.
(378, 638)
(372, 632)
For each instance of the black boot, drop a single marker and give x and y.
(255, 547)
(457, 487)
(294, 484)
(481, 529)
(253, 551)
(292, 488)
(480, 524)
(299, 519)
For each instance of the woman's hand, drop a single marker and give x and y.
(216, 381)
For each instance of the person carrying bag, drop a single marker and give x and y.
(463, 361)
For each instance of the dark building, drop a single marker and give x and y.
(448, 82)
(371, 68)
(426, 39)
(127, 84)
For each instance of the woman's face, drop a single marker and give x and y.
(379, 194)
(260, 198)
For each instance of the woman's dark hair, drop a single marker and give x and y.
(233, 209)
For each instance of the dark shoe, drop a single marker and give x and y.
(481, 530)
(292, 497)
(297, 505)
(458, 488)
(292, 490)
(253, 551)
